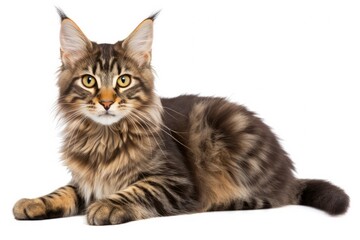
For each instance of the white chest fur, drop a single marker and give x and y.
(94, 185)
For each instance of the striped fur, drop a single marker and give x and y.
(140, 156)
(65, 201)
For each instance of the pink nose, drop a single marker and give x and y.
(106, 104)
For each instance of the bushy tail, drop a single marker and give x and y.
(323, 195)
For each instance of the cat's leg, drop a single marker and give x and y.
(243, 204)
(143, 199)
(63, 202)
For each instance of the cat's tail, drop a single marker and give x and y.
(323, 195)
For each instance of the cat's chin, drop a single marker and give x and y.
(106, 119)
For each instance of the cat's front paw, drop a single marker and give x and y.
(104, 213)
(29, 209)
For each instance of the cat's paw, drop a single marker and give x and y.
(104, 213)
(29, 209)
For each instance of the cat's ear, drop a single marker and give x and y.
(139, 43)
(74, 44)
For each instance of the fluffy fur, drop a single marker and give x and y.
(133, 155)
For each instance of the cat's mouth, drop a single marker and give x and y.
(106, 114)
(105, 117)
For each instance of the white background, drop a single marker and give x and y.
(296, 63)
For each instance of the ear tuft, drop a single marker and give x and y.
(154, 16)
(74, 44)
(61, 13)
(139, 43)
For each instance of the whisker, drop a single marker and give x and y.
(155, 139)
(166, 132)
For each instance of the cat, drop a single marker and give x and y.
(134, 155)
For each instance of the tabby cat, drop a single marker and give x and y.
(134, 155)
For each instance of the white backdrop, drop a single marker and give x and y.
(295, 63)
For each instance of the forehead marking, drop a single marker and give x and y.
(106, 54)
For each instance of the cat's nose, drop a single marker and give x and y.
(106, 104)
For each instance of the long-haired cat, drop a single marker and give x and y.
(134, 155)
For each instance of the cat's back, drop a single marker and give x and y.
(187, 111)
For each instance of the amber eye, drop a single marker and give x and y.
(88, 81)
(124, 81)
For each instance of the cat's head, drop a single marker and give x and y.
(106, 82)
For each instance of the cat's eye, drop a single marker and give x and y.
(88, 81)
(124, 81)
